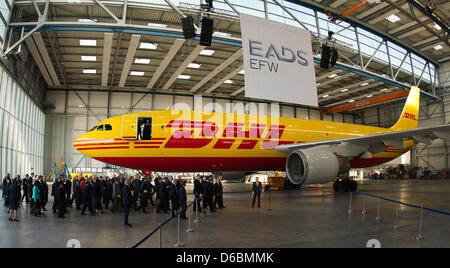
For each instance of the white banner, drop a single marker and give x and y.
(278, 62)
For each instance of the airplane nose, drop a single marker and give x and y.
(77, 142)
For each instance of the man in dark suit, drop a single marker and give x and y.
(127, 201)
(256, 191)
(61, 198)
(25, 190)
(210, 194)
(87, 197)
(116, 195)
(183, 200)
(44, 193)
(108, 196)
(146, 191)
(97, 195)
(174, 198)
(4, 185)
(147, 130)
(197, 192)
(163, 195)
(54, 190)
(218, 193)
(68, 190)
(77, 193)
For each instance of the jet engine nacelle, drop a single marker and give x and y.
(314, 166)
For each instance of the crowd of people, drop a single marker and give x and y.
(119, 194)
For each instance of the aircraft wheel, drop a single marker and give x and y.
(336, 185)
(345, 186)
(353, 185)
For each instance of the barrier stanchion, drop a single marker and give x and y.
(201, 211)
(189, 229)
(196, 211)
(160, 236)
(179, 244)
(396, 216)
(378, 210)
(350, 209)
(420, 237)
(364, 212)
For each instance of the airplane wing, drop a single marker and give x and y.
(375, 143)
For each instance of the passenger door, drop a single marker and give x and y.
(129, 127)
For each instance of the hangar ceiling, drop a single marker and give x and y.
(104, 45)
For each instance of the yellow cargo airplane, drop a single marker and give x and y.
(311, 151)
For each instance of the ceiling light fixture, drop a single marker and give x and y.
(88, 58)
(194, 65)
(148, 46)
(393, 18)
(207, 52)
(185, 77)
(137, 73)
(87, 42)
(142, 61)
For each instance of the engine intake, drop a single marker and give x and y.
(313, 166)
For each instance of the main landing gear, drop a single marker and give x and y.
(344, 184)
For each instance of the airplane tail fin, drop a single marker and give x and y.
(410, 114)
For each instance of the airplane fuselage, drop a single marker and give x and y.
(188, 141)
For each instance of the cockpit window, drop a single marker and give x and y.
(100, 128)
(108, 127)
(92, 129)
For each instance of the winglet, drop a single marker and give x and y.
(410, 114)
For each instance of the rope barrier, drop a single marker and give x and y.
(405, 204)
(157, 228)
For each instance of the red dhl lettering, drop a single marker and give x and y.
(410, 116)
(182, 138)
(235, 130)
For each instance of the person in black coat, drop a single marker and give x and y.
(78, 194)
(14, 199)
(163, 195)
(25, 189)
(197, 193)
(146, 192)
(183, 200)
(174, 199)
(97, 195)
(68, 192)
(5, 187)
(30, 188)
(127, 201)
(256, 191)
(218, 193)
(147, 131)
(43, 192)
(55, 187)
(61, 198)
(87, 197)
(108, 194)
(210, 194)
(135, 187)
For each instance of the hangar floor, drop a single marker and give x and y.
(310, 217)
